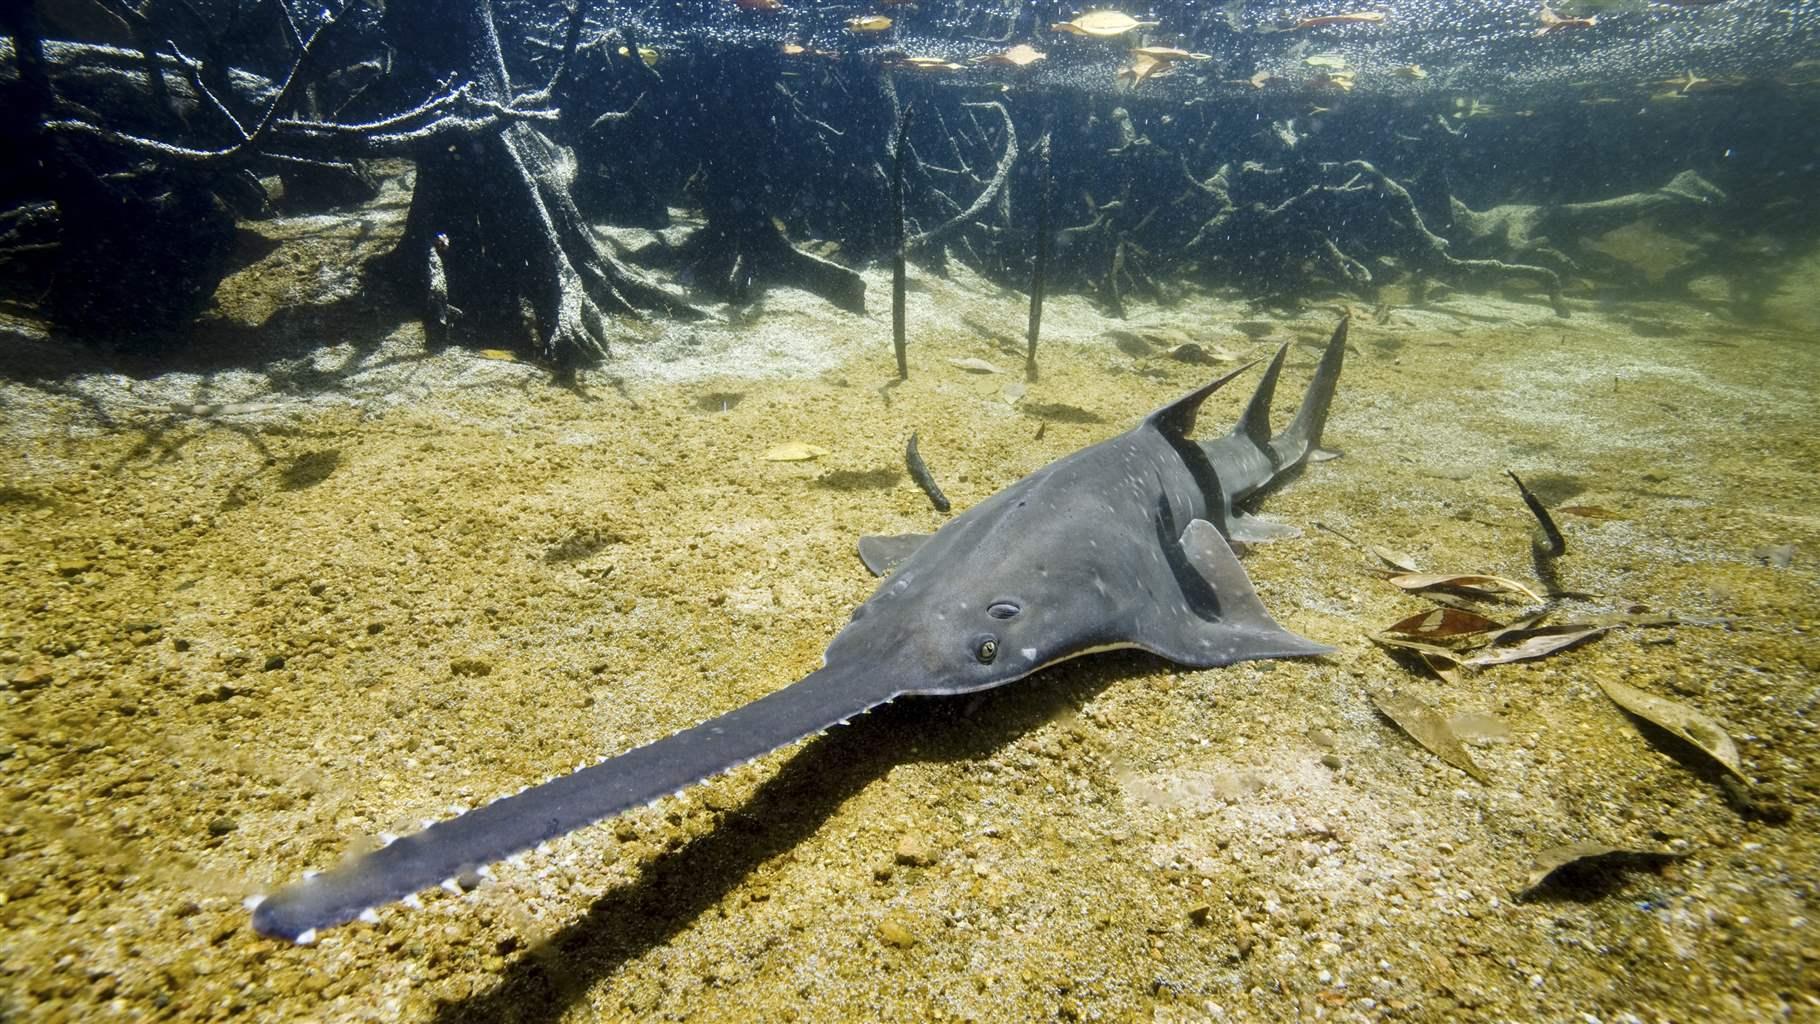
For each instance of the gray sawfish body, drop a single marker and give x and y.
(1121, 544)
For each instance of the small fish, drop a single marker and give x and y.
(1552, 22)
(901, 63)
(868, 23)
(1359, 18)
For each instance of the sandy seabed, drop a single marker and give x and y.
(262, 609)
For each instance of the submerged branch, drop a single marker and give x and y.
(999, 176)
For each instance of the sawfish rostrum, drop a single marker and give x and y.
(1122, 544)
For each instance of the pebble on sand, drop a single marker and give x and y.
(892, 931)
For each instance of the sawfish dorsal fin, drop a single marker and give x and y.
(882, 553)
(1254, 425)
(1177, 418)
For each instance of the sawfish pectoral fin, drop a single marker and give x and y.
(1242, 630)
(882, 553)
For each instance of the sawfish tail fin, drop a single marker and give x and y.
(468, 842)
(1303, 435)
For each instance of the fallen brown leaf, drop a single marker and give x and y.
(1444, 624)
(1682, 721)
(1582, 857)
(1424, 725)
(1462, 581)
(1539, 645)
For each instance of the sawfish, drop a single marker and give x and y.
(1124, 544)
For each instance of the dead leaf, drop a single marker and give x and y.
(1447, 600)
(1444, 670)
(1640, 619)
(795, 451)
(1395, 559)
(1540, 645)
(1680, 720)
(972, 365)
(1442, 661)
(1426, 727)
(1405, 643)
(1462, 581)
(1525, 626)
(499, 355)
(1553, 865)
(1444, 624)
(1389, 556)
(1479, 727)
(1589, 512)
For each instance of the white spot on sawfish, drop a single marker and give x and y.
(386, 839)
(428, 822)
(484, 871)
(370, 916)
(307, 937)
(543, 849)
(412, 901)
(579, 765)
(517, 860)
(449, 885)
(1029, 653)
(457, 810)
(307, 875)
(252, 902)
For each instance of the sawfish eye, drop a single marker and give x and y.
(1003, 610)
(988, 649)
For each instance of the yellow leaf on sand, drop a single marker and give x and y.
(795, 451)
(503, 355)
